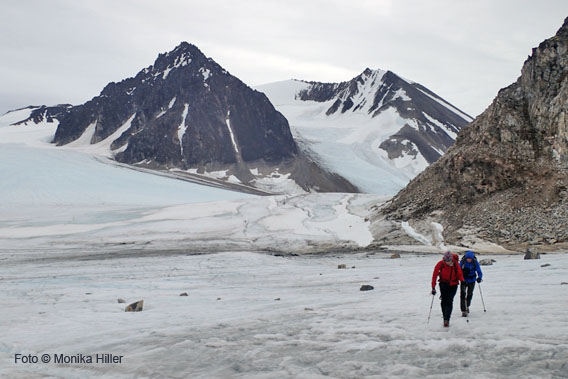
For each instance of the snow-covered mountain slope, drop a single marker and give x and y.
(258, 316)
(378, 130)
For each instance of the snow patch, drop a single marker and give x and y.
(101, 148)
(228, 122)
(180, 61)
(86, 137)
(233, 179)
(414, 234)
(182, 127)
(437, 237)
(205, 72)
(400, 93)
(452, 134)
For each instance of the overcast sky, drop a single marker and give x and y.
(66, 51)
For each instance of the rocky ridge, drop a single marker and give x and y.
(506, 178)
(43, 114)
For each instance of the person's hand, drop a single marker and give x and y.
(433, 291)
(478, 280)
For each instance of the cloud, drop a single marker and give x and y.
(66, 51)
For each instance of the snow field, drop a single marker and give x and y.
(348, 143)
(322, 326)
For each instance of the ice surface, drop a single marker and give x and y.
(49, 191)
(77, 232)
(348, 143)
(66, 198)
(322, 326)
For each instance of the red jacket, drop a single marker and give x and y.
(448, 274)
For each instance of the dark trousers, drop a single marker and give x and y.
(448, 292)
(466, 294)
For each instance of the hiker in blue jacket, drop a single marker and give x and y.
(471, 273)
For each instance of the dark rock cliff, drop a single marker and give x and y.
(506, 177)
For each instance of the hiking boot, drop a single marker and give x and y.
(446, 323)
(464, 314)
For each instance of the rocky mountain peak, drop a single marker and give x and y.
(184, 56)
(507, 174)
(431, 123)
(186, 112)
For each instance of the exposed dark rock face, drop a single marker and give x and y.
(187, 110)
(432, 122)
(44, 114)
(507, 174)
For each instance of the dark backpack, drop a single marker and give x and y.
(466, 270)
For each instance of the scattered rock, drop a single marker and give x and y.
(277, 299)
(184, 294)
(120, 301)
(486, 262)
(493, 260)
(341, 266)
(532, 253)
(395, 256)
(545, 265)
(366, 287)
(135, 307)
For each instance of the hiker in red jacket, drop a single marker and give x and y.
(450, 274)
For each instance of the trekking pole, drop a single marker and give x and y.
(429, 313)
(481, 294)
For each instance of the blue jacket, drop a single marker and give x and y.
(471, 271)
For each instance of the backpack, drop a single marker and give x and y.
(466, 270)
